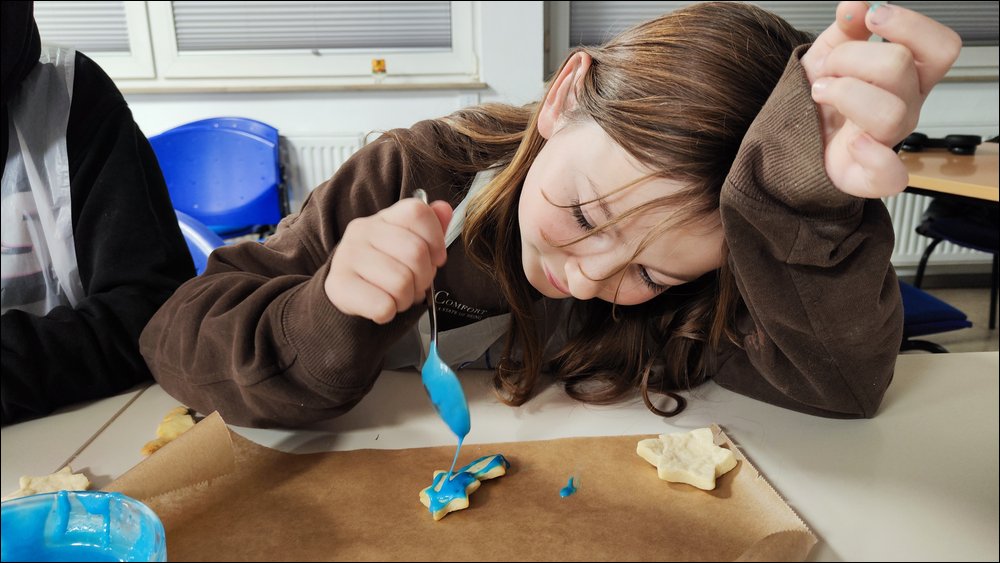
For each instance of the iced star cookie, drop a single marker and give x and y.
(450, 494)
(688, 457)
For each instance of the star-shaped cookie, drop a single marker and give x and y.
(449, 493)
(688, 457)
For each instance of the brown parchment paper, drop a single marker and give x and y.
(224, 498)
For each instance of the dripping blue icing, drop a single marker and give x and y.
(569, 489)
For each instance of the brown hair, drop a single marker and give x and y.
(678, 93)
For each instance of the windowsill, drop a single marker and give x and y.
(975, 64)
(219, 86)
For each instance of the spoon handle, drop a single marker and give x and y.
(422, 196)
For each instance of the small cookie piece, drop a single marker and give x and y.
(176, 422)
(688, 457)
(62, 480)
(450, 494)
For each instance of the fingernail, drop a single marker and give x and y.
(820, 86)
(880, 13)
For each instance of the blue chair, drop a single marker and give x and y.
(226, 173)
(200, 239)
(925, 314)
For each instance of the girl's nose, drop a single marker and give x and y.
(584, 277)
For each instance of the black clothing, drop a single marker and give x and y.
(129, 248)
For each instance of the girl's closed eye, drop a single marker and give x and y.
(648, 281)
(581, 219)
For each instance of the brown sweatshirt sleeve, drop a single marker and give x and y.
(812, 264)
(255, 336)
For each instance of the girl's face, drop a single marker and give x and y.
(581, 163)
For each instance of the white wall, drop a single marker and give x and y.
(962, 108)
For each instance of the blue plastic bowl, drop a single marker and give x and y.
(80, 526)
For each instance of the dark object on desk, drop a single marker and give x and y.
(925, 314)
(226, 173)
(969, 223)
(201, 240)
(957, 144)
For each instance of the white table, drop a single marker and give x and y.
(46, 445)
(918, 482)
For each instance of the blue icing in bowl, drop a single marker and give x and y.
(81, 526)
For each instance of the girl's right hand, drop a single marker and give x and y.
(385, 263)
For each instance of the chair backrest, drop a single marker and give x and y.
(225, 172)
(200, 239)
(925, 314)
(970, 223)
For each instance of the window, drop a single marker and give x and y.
(115, 34)
(214, 45)
(583, 23)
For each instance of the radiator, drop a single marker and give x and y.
(311, 160)
(905, 210)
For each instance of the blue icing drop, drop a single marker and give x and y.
(569, 489)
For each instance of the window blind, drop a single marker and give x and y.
(91, 27)
(234, 26)
(976, 22)
(592, 23)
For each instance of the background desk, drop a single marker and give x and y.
(939, 171)
(918, 482)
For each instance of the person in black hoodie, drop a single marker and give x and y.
(91, 244)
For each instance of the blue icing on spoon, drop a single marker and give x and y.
(569, 489)
(444, 389)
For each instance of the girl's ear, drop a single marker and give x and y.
(561, 98)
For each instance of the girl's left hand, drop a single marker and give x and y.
(870, 94)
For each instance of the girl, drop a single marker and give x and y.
(702, 191)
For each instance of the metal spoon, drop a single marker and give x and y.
(439, 380)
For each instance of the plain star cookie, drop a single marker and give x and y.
(688, 457)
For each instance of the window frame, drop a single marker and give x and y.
(460, 62)
(154, 64)
(138, 63)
